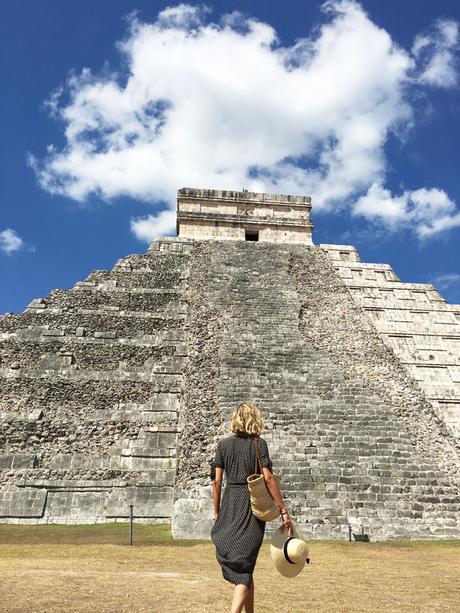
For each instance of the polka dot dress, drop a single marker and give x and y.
(237, 533)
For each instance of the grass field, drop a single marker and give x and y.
(91, 569)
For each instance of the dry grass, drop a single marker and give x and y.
(80, 569)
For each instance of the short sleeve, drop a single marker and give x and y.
(218, 461)
(264, 455)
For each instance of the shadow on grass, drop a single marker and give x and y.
(157, 534)
(92, 534)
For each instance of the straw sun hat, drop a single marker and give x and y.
(289, 554)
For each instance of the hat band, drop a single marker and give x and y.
(285, 551)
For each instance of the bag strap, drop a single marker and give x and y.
(256, 443)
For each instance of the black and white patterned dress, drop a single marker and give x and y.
(237, 533)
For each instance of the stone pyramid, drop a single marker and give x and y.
(115, 392)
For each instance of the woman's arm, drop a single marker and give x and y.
(273, 488)
(216, 490)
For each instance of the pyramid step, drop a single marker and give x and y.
(119, 324)
(115, 299)
(86, 353)
(144, 278)
(80, 395)
(17, 460)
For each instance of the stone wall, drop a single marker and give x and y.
(227, 228)
(224, 215)
(91, 382)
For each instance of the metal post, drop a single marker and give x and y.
(349, 532)
(130, 524)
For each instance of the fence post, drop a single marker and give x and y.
(130, 524)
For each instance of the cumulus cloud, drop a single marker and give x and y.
(225, 105)
(427, 211)
(182, 16)
(10, 241)
(150, 227)
(436, 53)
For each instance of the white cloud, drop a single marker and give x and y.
(224, 105)
(425, 211)
(10, 241)
(148, 228)
(435, 52)
(446, 280)
(182, 16)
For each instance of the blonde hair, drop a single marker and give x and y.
(246, 419)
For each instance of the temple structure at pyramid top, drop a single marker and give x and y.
(213, 214)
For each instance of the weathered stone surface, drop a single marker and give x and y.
(224, 215)
(18, 460)
(415, 321)
(350, 432)
(115, 393)
(93, 399)
(22, 504)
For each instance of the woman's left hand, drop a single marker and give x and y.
(287, 523)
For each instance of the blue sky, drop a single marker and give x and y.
(109, 107)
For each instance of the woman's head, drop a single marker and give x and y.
(246, 419)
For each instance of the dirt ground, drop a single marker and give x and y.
(91, 569)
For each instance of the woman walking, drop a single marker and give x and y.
(237, 533)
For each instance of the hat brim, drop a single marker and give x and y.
(284, 567)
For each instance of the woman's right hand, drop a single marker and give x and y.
(287, 523)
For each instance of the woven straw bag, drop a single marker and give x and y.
(262, 504)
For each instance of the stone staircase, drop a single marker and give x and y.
(350, 433)
(415, 321)
(89, 396)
